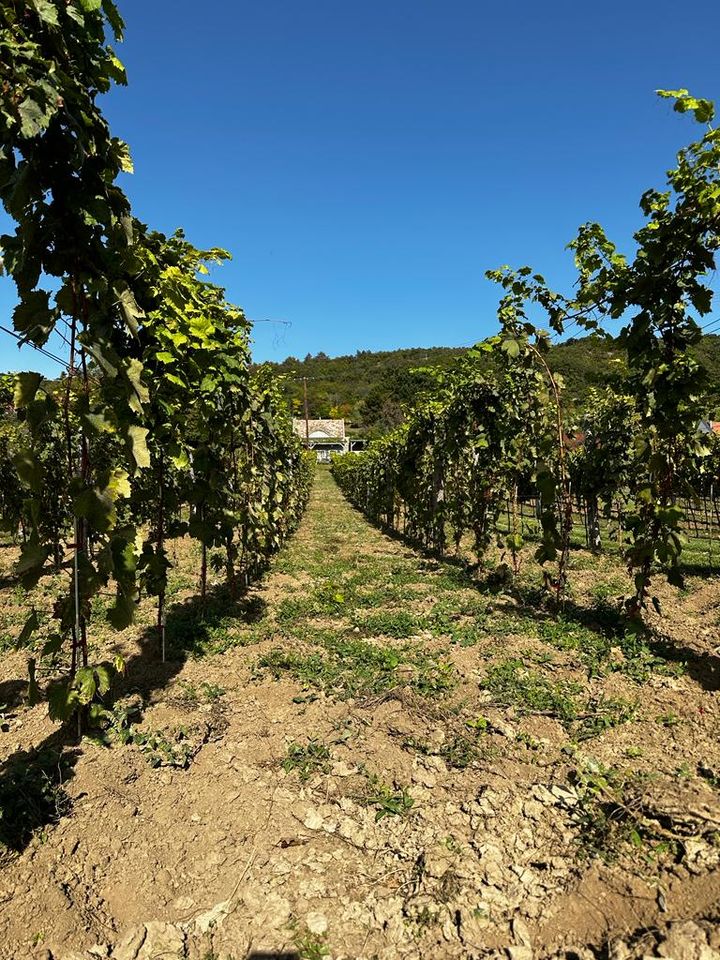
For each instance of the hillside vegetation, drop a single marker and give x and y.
(371, 389)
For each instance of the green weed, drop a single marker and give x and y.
(350, 667)
(307, 760)
(310, 946)
(460, 750)
(160, 748)
(205, 693)
(608, 810)
(389, 800)
(32, 796)
(595, 647)
(223, 624)
(512, 683)
(398, 624)
(163, 750)
(603, 713)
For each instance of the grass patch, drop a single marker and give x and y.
(161, 749)
(601, 650)
(463, 620)
(220, 626)
(204, 693)
(327, 601)
(344, 591)
(607, 808)
(171, 748)
(512, 683)
(350, 667)
(460, 751)
(452, 578)
(310, 946)
(398, 624)
(603, 713)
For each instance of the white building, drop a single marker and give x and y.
(326, 437)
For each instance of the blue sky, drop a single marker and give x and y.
(365, 163)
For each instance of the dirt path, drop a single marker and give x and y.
(367, 757)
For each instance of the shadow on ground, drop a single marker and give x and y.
(604, 618)
(607, 620)
(32, 791)
(12, 693)
(33, 782)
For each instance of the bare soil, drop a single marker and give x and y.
(373, 755)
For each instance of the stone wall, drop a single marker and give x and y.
(332, 428)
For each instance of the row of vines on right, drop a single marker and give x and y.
(497, 434)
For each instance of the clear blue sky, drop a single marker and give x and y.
(366, 162)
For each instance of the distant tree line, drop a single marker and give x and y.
(373, 390)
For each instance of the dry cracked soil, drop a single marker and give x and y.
(372, 754)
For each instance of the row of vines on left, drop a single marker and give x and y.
(158, 426)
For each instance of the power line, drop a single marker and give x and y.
(22, 342)
(710, 323)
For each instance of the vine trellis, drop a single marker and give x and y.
(157, 408)
(497, 424)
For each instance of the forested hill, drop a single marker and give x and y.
(371, 389)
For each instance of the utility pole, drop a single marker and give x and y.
(307, 423)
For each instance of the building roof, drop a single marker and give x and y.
(709, 426)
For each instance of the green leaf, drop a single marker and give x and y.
(34, 317)
(181, 461)
(106, 357)
(140, 394)
(129, 306)
(31, 625)
(202, 531)
(113, 18)
(63, 700)
(33, 689)
(85, 684)
(103, 672)
(47, 12)
(32, 559)
(137, 440)
(702, 300)
(52, 645)
(29, 470)
(703, 110)
(33, 118)
(122, 613)
(118, 484)
(26, 386)
(99, 423)
(511, 348)
(116, 69)
(97, 507)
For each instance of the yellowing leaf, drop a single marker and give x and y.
(137, 437)
(119, 484)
